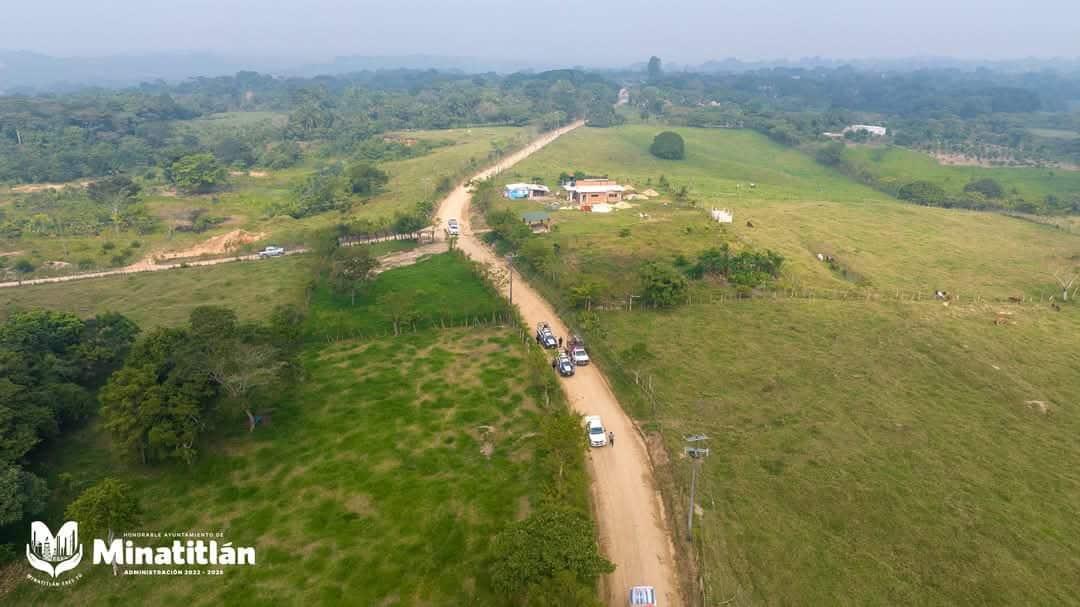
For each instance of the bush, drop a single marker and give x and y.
(922, 192)
(662, 285)
(669, 146)
(987, 187)
(547, 543)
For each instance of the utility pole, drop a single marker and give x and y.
(695, 453)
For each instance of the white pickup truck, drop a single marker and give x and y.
(594, 428)
(643, 596)
(271, 251)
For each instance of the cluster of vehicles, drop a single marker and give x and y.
(567, 358)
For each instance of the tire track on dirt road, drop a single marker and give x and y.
(633, 530)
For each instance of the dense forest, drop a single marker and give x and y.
(59, 138)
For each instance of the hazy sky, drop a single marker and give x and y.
(587, 32)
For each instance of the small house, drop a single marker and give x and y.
(594, 191)
(873, 130)
(525, 191)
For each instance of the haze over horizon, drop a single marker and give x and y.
(602, 32)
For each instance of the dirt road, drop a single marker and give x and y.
(142, 266)
(633, 530)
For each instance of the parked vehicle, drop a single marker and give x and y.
(594, 428)
(578, 355)
(452, 227)
(545, 337)
(564, 365)
(643, 596)
(272, 251)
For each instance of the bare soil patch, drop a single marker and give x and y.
(217, 245)
(30, 188)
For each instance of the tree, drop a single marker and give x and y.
(105, 508)
(365, 179)
(1065, 279)
(353, 268)
(987, 187)
(234, 152)
(21, 494)
(831, 155)
(662, 284)
(551, 541)
(151, 418)
(22, 267)
(655, 69)
(669, 146)
(118, 192)
(240, 367)
(197, 173)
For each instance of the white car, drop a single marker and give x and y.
(579, 355)
(595, 430)
(272, 251)
(643, 596)
(452, 227)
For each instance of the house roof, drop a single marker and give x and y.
(535, 216)
(527, 186)
(591, 189)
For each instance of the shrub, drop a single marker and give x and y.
(987, 187)
(922, 192)
(669, 146)
(662, 284)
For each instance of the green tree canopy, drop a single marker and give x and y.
(922, 192)
(197, 173)
(987, 187)
(536, 550)
(365, 179)
(662, 284)
(668, 145)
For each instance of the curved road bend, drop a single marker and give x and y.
(633, 531)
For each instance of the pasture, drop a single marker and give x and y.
(864, 451)
(381, 478)
(797, 208)
(899, 166)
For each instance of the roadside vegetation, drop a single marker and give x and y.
(402, 460)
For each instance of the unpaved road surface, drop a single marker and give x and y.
(633, 531)
(142, 266)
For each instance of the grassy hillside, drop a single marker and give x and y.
(381, 478)
(864, 451)
(167, 298)
(900, 166)
(797, 208)
(867, 453)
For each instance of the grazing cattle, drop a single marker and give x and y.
(749, 224)
(942, 295)
(1016, 299)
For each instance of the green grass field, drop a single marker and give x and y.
(900, 166)
(166, 298)
(797, 208)
(863, 451)
(381, 478)
(866, 454)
